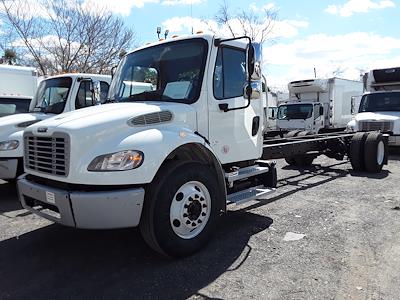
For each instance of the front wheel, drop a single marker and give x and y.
(181, 209)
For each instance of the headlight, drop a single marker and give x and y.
(9, 145)
(119, 161)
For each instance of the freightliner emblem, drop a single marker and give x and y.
(42, 129)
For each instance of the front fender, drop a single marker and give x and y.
(155, 143)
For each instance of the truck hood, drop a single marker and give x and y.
(9, 125)
(378, 116)
(113, 117)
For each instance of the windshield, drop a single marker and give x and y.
(295, 111)
(167, 72)
(380, 102)
(10, 106)
(52, 95)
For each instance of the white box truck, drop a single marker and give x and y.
(380, 105)
(17, 89)
(318, 105)
(55, 95)
(171, 159)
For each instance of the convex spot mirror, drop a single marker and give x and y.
(252, 91)
(254, 61)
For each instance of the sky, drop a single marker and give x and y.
(341, 38)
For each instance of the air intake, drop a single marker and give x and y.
(150, 119)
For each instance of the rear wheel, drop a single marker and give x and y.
(181, 209)
(357, 151)
(375, 152)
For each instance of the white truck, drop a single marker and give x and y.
(55, 95)
(380, 105)
(171, 159)
(17, 88)
(318, 105)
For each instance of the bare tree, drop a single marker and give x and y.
(67, 37)
(256, 25)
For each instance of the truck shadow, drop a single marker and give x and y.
(8, 198)
(62, 262)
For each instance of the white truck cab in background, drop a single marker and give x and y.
(319, 105)
(17, 89)
(55, 95)
(380, 105)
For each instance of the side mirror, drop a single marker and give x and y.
(254, 61)
(113, 71)
(252, 91)
(321, 110)
(96, 92)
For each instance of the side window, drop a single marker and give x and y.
(84, 96)
(316, 111)
(229, 73)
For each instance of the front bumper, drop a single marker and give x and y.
(8, 168)
(88, 210)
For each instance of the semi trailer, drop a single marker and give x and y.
(172, 159)
(319, 105)
(380, 105)
(54, 95)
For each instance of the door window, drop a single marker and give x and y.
(84, 97)
(229, 73)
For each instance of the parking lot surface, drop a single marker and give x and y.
(326, 233)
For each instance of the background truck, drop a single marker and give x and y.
(17, 88)
(380, 105)
(55, 95)
(171, 159)
(318, 105)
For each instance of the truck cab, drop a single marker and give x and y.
(167, 159)
(55, 95)
(17, 89)
(319, 105)
(306, 107)
(380, 106)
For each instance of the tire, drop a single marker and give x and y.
(291, 161)
(304, 160)
(357, 151)
(375, 152)
(181, 209)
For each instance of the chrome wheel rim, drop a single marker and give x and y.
(190, 209)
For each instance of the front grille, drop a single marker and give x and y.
(383, 126)
(47, 154)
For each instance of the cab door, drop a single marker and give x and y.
(235, 135)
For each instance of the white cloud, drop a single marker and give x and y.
(358, 6)
(350, 53)
(268, 6)
(183, 25)
(122, 7)
(181, 2)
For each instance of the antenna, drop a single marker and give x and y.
(315, 73)
(158, 32)
(191, 13)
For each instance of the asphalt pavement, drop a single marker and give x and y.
(327, 233)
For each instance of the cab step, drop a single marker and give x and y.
(247, 172)
(249, 194)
